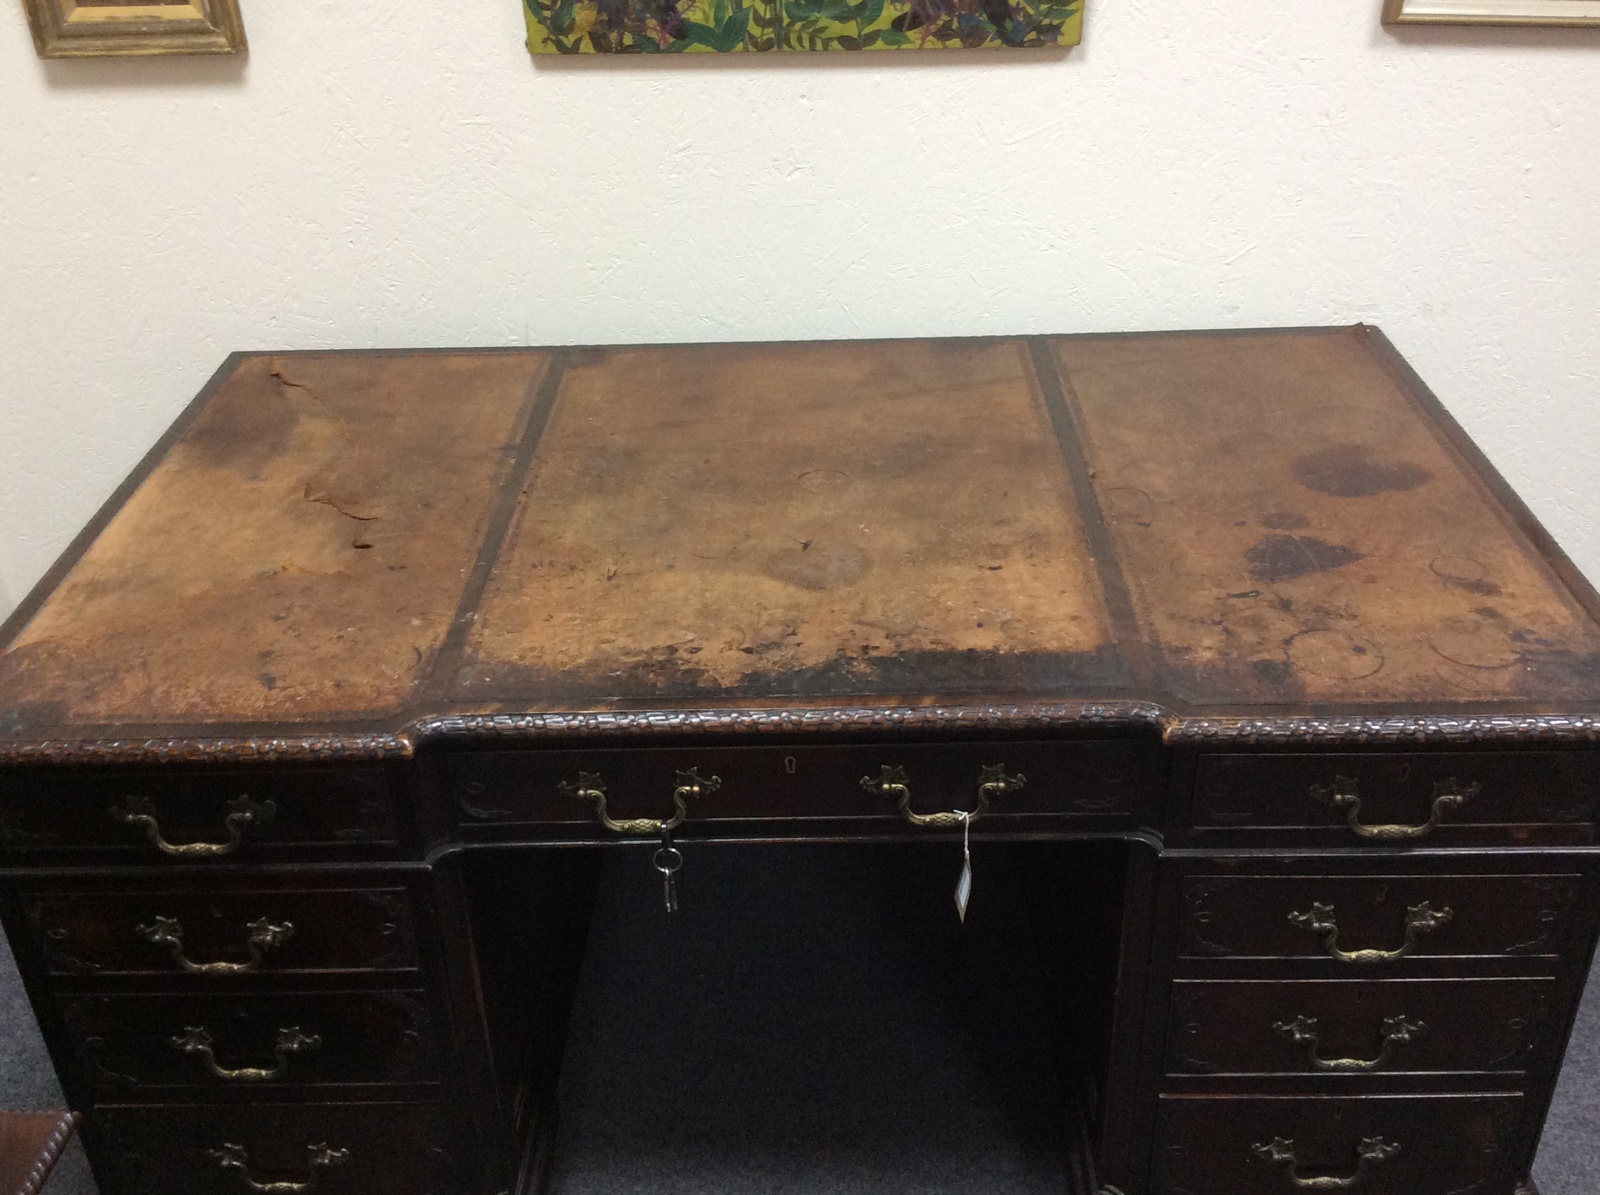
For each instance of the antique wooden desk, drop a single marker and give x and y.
(308, 746)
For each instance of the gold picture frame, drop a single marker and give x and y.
(1491, 12)
(102, 28)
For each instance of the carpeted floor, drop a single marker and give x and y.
(992, 1097)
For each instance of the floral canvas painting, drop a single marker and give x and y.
(729, 26)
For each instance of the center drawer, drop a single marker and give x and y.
(1098, 782)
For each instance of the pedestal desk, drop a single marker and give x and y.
(1231, 646)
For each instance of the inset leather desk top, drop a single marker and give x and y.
(1231, 533)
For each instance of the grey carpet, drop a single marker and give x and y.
(841, 1035)
(874, 1047)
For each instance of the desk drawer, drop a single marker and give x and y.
(1090, 780)
(1395, 799)
(1354, 1028)
(334, 1149)
(193, 817)
(141, 1047)
(1366, 923)
(1387, 1145)
(221, 936)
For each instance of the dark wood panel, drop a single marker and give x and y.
(1081, 779)
(1399, 798)
(193, 816)
(266, 931)
(1355, 1028)
(1415, 1145)
(341, 1149)
(1384, 920)
(141, 1047)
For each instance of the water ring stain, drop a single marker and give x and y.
(1333, 655)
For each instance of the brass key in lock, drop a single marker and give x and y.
(668, 859)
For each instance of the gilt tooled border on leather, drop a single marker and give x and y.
(1177, 731)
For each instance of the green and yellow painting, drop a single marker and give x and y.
(730, 26)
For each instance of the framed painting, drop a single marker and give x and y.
(738, 26)
(1491, 12)
(102, 28)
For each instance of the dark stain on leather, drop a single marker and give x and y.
(670, 672)
(247, 428)
(1352, 471)
(1285, 557)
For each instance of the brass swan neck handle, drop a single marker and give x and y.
(591, 787)
(993, 782)
(196, 1040)
(1344, 794)
(1420, 919)
(319, 1158)
(139, 810)
(1396, 1031)
(264, 936)
(1369, 1152)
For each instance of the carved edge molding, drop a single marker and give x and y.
(1174, 730)
(33, 1181)
(838, 720)
(1344, 731)
(311, 749)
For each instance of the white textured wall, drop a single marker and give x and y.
(401, 174)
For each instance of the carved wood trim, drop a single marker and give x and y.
(311, 749)
(1486, 728)
(1175, 730)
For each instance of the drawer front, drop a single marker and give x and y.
(223, 935)
(1386, 1145)
(337, 1149)
(1393, 799)
(1099, 781)
(1366, 923)
(1351, 1027)
(137, 1047)
(238, 815)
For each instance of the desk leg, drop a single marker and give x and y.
(515, 925)
(1129, 1101)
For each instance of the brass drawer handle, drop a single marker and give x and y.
(318, 1158)
(197, 1040)
(1396, 1031)
(1280, 1152)
(1342, 794)
(592, 787)
(891, 781)
(264, 936)
(1420, 919)
(137, 810)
